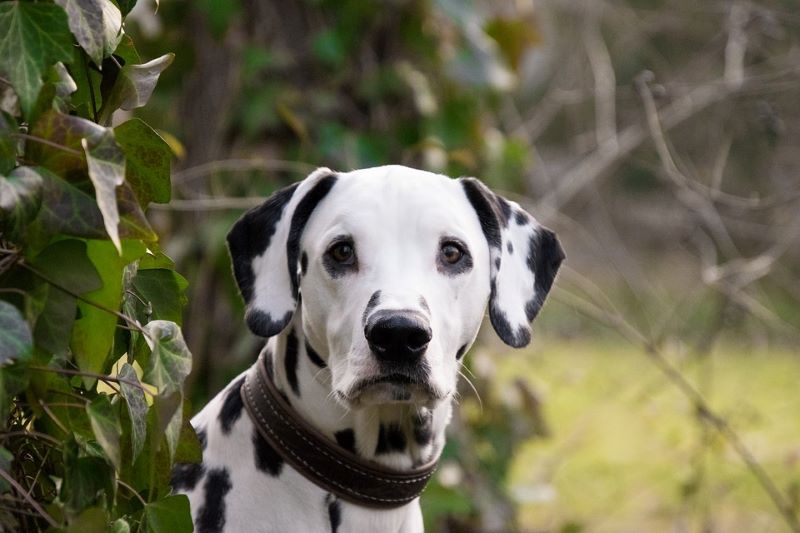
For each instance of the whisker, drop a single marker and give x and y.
(472, 386)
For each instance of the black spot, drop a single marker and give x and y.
(303, 263)
(510, 248)
(544, 259)
(346, 438)
(251, 235)
(211, 516)
(314, 356)
(516, 339)
(505, 209)
(267, 459)
(478, 196)
(461, 351)
(373, 302)
(290, 362)
(262, 324)
(299, 219)
(334, 512)
(521, 218)
(390, 439)
(497, 262)
(423, 426)
(232, 406)
(186, 476)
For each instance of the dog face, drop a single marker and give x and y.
(392, 268)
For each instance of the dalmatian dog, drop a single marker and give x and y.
(370, 287)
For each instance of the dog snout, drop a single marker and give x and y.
(398, 337)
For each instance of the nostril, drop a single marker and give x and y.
(418, 338)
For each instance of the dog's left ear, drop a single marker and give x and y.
(265, 251)
(525, 257)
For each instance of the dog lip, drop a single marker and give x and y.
(361, 386)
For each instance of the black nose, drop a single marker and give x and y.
(398, 337)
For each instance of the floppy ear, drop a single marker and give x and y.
(525, 257)
(265, 245)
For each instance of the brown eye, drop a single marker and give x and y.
(451, 253)
(343, 253)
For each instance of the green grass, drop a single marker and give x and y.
(625, 447)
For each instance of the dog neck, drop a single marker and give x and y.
(401, 436)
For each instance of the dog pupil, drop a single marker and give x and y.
(343, 252)
(451, 253)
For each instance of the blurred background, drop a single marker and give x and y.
(660, 139)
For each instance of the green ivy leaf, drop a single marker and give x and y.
(20, 199)
(106, 427)
(164, 290)
(15, 335)
(134, 85)
(170, 359)
(66, 264)
(86, 480)
(68, 210)
(65, 155)
(96, 24)
(170, 515)
(148, 159)
(107, 171)
(93, 333)
(137, 408)
(169, 419)
(34, 36)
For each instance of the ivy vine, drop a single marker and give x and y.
(92, 358)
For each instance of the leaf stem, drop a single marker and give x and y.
(132, 491)
(101, 377)
(40, 140)
(29, 433)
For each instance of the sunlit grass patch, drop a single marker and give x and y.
(626, 451)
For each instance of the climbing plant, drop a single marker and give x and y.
(92, 358)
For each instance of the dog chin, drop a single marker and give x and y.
(387, 391)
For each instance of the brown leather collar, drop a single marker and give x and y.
(318, 458)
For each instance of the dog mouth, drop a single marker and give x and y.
(394, 388)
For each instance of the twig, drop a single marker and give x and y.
(209, 204)
(46, 142)
(133, 323)
(101, 377)
(33, 503)
(30, 433)
(132, 491)
(605, 93)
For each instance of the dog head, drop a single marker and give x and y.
(392, 269)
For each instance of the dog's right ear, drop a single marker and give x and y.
(265, 246)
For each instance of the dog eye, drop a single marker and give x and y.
(343, 253)
(451, 253)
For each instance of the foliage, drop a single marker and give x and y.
(92, 358)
